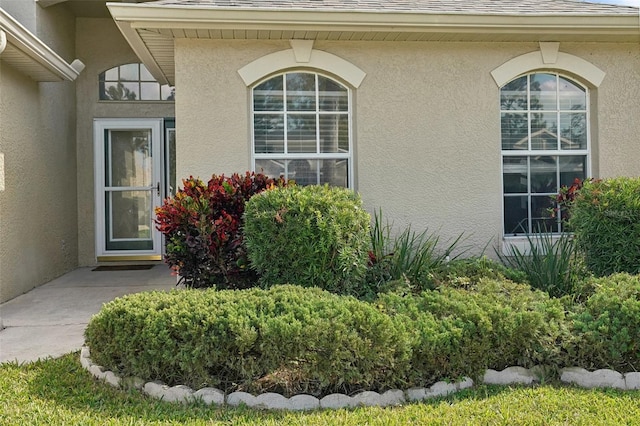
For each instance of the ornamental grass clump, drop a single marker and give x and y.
(310, 236)
(202, 227)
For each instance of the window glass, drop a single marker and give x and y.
(132, 82)
(545, 145)
(301, 129)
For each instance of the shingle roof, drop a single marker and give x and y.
(489, 7)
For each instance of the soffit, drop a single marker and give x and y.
(29, 55)
(152, 28)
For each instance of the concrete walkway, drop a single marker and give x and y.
(49, 321)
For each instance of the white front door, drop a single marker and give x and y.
(129, 183)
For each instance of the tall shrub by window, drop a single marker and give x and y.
(132, 82)
(302, 129)
(545, 144)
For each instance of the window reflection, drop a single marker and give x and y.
(132, 82)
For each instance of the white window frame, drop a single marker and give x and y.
(305, 156)
(520, 240)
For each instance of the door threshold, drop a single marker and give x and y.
(130, 258)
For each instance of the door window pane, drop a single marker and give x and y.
(129, 157)
(130, 214)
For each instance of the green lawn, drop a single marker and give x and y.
(60, 392)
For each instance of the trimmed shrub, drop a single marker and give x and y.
(311, 236)
(606, 329)
(459, 332)
(467, 273)
(286, 339)
(201, 223)
(605, 219)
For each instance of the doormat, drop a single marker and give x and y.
(123, 267)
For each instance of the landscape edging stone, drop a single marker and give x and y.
(603, 378)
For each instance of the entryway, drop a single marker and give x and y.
(133, 173)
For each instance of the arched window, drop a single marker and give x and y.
(545, 145)
(132, 82)
(302, 129)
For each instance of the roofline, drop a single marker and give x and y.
(39, 53)
(201, 17)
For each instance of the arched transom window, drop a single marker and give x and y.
(132, 82)
(302, 129)
(545, 145)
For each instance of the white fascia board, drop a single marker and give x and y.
(190, 17)
(25, 41)
(140, 49)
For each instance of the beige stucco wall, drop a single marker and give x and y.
(426, 117)
(100, 46)
(38, 233)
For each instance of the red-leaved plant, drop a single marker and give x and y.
(202, 227)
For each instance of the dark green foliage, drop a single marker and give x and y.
(202, 228)
(605, 219)
(311, 236)
(467, 273)
(410, 257)
(549, 262)
(606, 329)
(459, 332)
(287, 339)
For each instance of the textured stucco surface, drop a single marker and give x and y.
(100, 46)
(38, 234)
(426, 123)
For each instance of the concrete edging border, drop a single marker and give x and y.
(603, 378)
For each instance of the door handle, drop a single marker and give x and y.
(158, 189)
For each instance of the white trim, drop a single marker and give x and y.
(549, 51)
(50, 66)
(3, 41)
(533, 61)
(100, 125)
(284, 59)
(302, 50)
(141, 50)
(192, 16)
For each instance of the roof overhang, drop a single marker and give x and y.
(152, 28)
(28, 54)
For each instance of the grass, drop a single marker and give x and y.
(59, 392)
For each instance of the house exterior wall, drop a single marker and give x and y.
(100, 46)
(38, 210)
(426, 123)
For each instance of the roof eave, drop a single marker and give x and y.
(190, 17)
(134, 19)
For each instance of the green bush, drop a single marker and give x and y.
(202, 228)
(286, 339)
(605, 219)
(606, 329)
(459, 332)
(549, 262)
(312, 236)
(467, 273)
